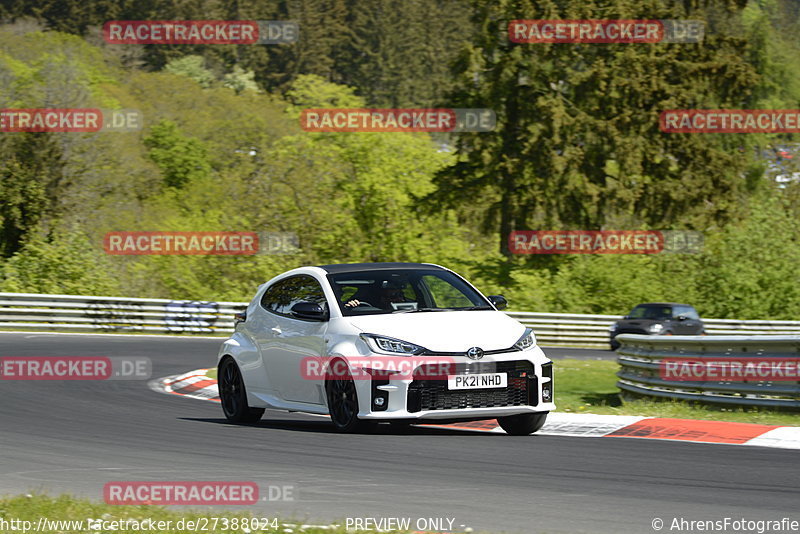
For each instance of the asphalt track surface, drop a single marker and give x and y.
(70, 436)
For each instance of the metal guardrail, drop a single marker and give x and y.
(569, 329)
(640, 359)
(115, 314)
(579, 330)
(120, 314)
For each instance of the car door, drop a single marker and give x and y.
(690, 325)
(263, 327)
(288, 341)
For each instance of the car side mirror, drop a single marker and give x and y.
(498, 301)
(309, 310)
(626, 317)
(239, 317)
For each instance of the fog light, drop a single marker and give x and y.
(547, 395)
(380, 399)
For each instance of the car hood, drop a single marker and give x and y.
(446, 331)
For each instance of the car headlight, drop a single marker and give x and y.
(526, 341)
(655, 328)
(390, 345)
(613, 327)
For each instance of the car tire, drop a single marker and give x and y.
(614, 343)
(523, 424)
(342, 400)
(233, 395)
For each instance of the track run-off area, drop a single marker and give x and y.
(75, 436)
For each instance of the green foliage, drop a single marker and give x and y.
(240, 80)
(31, 177)
(577, 146)
(309, 91)
(66, 262)
(749, 269)
(393, 46)
(180, 158)
(577, 142)
(395, 53)
(192, 67)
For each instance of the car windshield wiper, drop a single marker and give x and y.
(482, 307)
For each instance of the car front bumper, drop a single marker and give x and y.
(417, 396)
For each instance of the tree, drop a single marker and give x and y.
(577, 143)
(192, 67)
(240, 80)
(399, 54)
(64, 262)
(180, 158)
(30, 175)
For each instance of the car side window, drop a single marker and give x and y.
(655, 313)
(272, 296)
(283, 295)
(688, 311)
(637, 312)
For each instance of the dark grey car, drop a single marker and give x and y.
(663, 318)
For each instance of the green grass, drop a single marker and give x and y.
(589, 386)
(212, 373)
(66, 508)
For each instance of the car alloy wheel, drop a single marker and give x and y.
(233, 395)
(343, 404)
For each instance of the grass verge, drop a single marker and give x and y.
(67, 515)
(589, 386)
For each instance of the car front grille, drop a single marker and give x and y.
(432, 394)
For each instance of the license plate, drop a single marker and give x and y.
(478, 381)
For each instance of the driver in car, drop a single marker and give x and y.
(388, 295)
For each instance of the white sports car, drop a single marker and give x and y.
(383, 342)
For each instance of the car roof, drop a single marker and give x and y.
(385, 266)
(663, 304)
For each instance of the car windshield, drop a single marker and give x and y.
(403, 291)
(651, 312)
